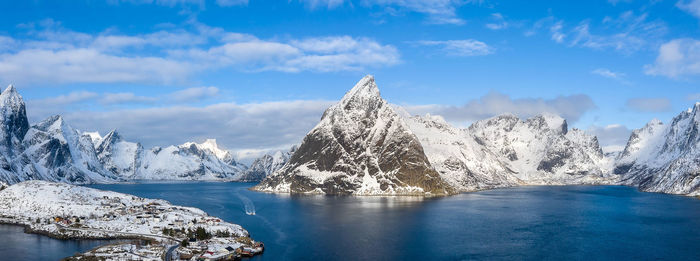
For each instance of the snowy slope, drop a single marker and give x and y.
(189, 161)
(120, 157)
(60, 153)
(34, 200)
(267, 164)
(541, 150)
(361, 147)
(664, 158)
(460, 160)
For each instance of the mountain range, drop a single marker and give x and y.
(364, 145)
(55, 151)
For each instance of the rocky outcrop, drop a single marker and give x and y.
(266, 165)
(664, 158)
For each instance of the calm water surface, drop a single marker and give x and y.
(16, 245)
(524, 223)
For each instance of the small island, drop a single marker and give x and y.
(152, 229)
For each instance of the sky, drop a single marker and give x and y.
(257, 75)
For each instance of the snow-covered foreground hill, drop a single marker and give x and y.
(362, 146)
(68, 211)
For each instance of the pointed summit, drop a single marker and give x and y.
(549, 121)
(112, 137)
(10, 88)
(365, 88)
(14, 124)
(361, 147)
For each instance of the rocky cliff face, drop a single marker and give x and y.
(664, 158)
(120, 157)
(456, 155)
(541, 150)
(361, 147)
(267, 164)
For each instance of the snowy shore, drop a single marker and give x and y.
(72, 212)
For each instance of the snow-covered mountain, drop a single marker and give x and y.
(360, 147)
(267, 164)
(53, 150)
(456, 155)
(59, 152)
(189, 161)
(363, 145)
(664, 158)
(541, 150)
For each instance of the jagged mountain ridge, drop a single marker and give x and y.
(53, 150)
(664, 158)
(497, 152)
(267, 164)
(542, 150)
(189, 161)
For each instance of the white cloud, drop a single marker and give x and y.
(618, 76)
(88, 66)
(125, 97)
(57, 55)
(556, 29)
(612, 137)
(626, 33)
(692, 6)
(73, 97)
(438, 11)
(231, 2)
(173, 3)
(677, 58)
(257, 126)
(468, 47)
(649, 104)
(569, 107)
(330, 4)
(693, 97)
(194, 94)
(498, 22)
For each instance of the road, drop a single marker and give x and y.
(168, 254)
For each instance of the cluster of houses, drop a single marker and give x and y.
(169, 221)
(217, 249)
(67, 221)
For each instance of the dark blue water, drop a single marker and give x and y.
(525, 223)
(16, 245)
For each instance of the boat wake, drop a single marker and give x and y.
(247, 204)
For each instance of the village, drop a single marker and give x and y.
(152, 229)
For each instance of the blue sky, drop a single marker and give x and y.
(257, 75)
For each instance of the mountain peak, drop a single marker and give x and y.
(553, 122)
(365, 88)
(210, 145)
(10, 96)
(11, 89)
(113, 135)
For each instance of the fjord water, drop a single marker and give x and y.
(536, 222)
(17, 245)
(531, 223)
